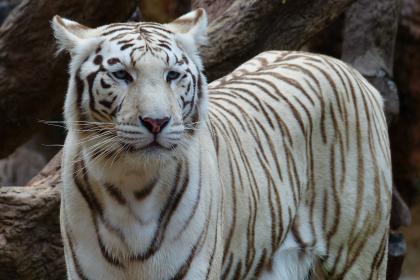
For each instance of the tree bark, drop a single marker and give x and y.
(163, 10)
(30, 241)
(405, 131)
(32, 79)
(370, 33)
(245, 28)
(6, 6)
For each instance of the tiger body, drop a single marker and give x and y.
(278, 166)
(306, 135)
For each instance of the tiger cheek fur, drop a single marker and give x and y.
(264, 173)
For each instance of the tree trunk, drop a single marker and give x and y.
(245, 28)
(370, 32)
(30, 241)
(405, 131)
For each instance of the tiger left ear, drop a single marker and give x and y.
(69, 34)
(193, 25)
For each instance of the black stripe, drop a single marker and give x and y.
(115, 193)
(145, 191)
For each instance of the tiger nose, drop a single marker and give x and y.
(154, 125)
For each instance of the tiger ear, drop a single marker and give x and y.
(193, 25)
(69, 34)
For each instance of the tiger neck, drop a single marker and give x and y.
(130, 177)
(152, 206)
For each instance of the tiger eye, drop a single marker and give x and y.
(172, 75)
(123, 75)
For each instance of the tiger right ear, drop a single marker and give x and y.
(193, 24)
(68, 33)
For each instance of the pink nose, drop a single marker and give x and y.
(154, 125)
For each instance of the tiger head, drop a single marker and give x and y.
(135, 88)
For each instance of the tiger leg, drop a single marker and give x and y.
(70, 267)
(364, 259)
(71, 271)
(290, 262)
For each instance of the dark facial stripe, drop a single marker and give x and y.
(165, 46)
(105, 103)
(157, 28)
(199, 86)
(80, 88)
(91, 79)
(98, 59)
(126, 46)
(122, 35)
(125, 24)
(104, 84)
(125, 41)
(124, 28)
(113, 61)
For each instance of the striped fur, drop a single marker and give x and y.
(277, 167)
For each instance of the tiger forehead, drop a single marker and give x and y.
(144, 38)
(148, 32)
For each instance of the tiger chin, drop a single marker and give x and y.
(266, 173)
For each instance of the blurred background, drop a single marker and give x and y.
(380, 38)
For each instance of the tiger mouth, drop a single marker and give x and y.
(154, 145)
(151, 147)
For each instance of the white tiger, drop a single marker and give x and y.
(279, 166)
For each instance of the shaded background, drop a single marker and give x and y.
(363, 33)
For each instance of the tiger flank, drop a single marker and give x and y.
(280, 166)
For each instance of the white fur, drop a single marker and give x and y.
(248, 149)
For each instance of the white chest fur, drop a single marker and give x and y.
(129, 223)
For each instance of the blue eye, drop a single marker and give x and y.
(172, 75)
(123, 75)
